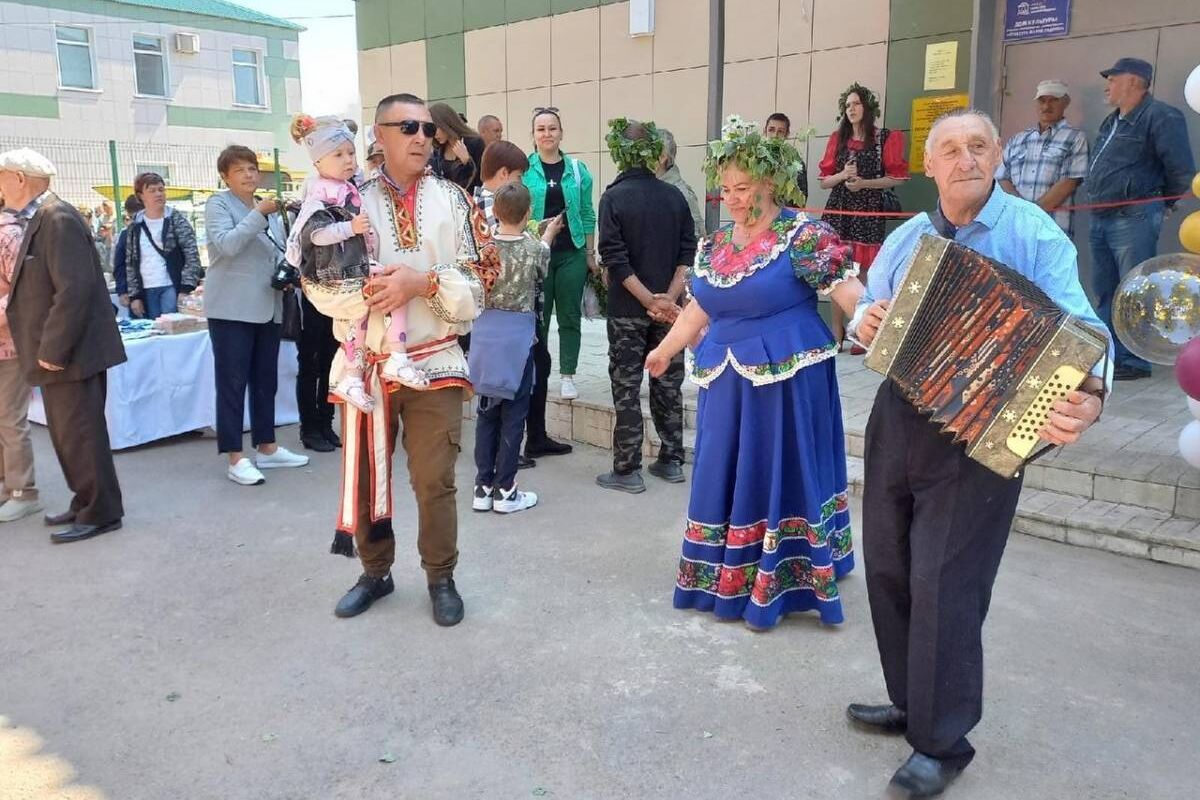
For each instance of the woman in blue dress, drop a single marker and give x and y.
(768, 529)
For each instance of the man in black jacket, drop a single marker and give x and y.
(62, 324)
(647, 241)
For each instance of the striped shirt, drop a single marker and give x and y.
(1034, 161)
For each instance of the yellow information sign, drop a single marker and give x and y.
(941, 62)
(924, 111)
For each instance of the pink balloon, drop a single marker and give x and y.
(1187, 368)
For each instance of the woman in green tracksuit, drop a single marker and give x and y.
(563, 185)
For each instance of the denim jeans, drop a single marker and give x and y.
(499, 426)
(1120, 241)
(160, 300)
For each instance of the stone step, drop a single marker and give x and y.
(1143, 519)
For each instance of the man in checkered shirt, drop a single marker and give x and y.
(1046, 162)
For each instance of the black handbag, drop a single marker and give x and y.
(290, 326)
(888, 201)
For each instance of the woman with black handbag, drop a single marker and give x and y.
(862, 165)
(244, 310)
(161, 257)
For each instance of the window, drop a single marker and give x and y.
(149, 66)
(247, 78)
(75, 65)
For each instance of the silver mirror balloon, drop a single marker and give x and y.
(1156, 310)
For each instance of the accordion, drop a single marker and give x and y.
(982, 351)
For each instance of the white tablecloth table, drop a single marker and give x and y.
(166, 388)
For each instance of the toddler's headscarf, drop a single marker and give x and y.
(323, 140)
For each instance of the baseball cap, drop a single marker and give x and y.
(1132, 66)
(1051, 88)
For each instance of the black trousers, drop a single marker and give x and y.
(498, 427)
(935, 524)
(245, 355)
(79, 433)
(314, 353)
(535, 423)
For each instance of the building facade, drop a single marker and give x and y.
(171, 81)
(505, 57)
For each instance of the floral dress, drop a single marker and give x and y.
(884, 159)
(768, 527)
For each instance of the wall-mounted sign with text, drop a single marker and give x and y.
(1036, 19)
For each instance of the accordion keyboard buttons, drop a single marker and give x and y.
(1025, 436)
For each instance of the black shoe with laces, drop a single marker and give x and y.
(447, 602)
(363, 594)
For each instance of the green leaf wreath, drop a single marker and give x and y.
(867, 97)
(631, 153)
(761, 157)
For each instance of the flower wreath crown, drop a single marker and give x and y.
(867, 97)
(630, 153)
(743, 145)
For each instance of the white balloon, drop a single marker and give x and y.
(1189, 443)
(1194, 407)
(1191, 90)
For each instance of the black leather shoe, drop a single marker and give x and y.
(363, 594)
(316, 442)
(79, 531)
(668, 471)
(1126, 373)
(525, 462)
(54, 520)
(332, 437)
(546, 447)
(447, 602)
(922, 776)
(631, 483)
(880, 719)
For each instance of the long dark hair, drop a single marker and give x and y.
(846, 129)
(451, 123)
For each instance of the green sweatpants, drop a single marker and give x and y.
(564, 296)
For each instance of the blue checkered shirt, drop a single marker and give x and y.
(1035, 161)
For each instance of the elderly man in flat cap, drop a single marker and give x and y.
(1046, 162)
(66, 338)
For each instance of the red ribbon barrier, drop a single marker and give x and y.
(716, 199)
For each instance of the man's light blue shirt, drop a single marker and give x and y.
(1010, 230)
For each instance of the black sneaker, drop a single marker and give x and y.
(363, 594)
(316, 442)
(546, 447)
(447, 602)
(631, 483)
(1128, 373)
(668, 471)
(332, 437)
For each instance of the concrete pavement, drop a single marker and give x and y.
(194, 654)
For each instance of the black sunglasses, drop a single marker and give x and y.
(409, 127)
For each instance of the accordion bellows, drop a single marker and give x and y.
(982, 351)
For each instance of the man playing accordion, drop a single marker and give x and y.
(935, 521)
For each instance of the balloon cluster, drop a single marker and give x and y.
(1156, 311)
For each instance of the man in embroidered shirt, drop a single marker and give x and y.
(935, 522)
(1046, 162)
(1141, 153)
(434, 246)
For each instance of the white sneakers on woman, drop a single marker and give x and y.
(246, 473)
(567, 389)
(18, 507)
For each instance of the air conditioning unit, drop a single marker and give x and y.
(187, 43)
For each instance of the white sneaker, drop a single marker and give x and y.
(18, 508)
(282, 457)
(567, 389)
(245, 473)
(513, 500)
(482, 501)
(400, 369)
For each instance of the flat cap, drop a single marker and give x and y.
(28, 161)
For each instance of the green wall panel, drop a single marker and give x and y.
(29, 105)
(517, 10)
(445, 64)
(906, 75)
(407, 20)
(483, 14)
(282, 67)
(219, 118)
(443, 17)
(371, 23)
(911, 18)
(564, 6)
